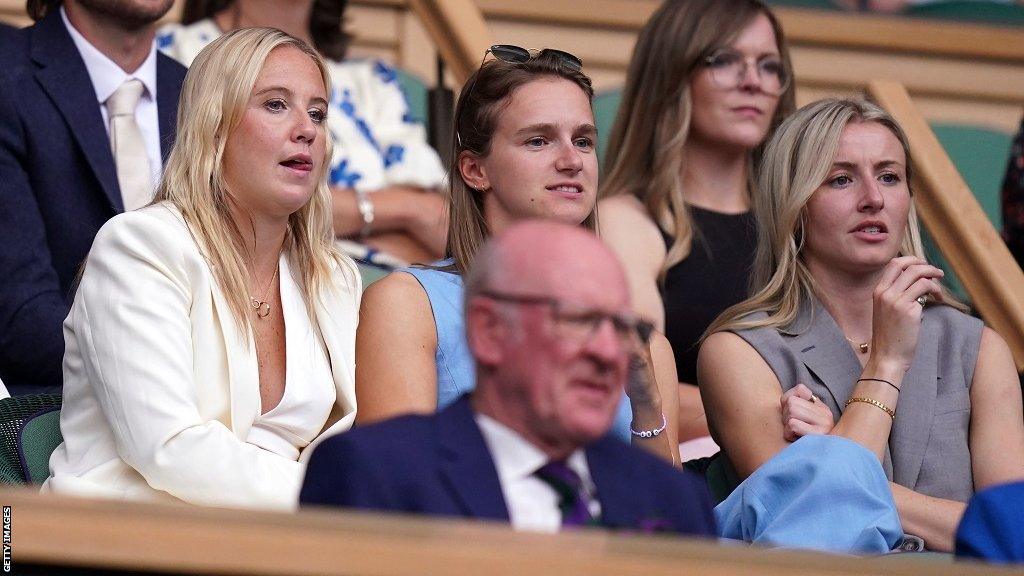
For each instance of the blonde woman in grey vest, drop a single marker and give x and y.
(849, 332)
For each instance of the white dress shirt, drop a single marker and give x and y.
(532, 503)
(107, 76)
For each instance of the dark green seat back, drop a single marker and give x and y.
(415, 94)
(370, 273)
(14, 412)
(39, 437)
(980, 155)
(996, 13)
(606, 105)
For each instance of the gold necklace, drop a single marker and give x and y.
(862, 346)
(262, 307)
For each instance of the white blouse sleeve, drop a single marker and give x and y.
(408, 158)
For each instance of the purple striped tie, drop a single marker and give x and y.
(572, 499)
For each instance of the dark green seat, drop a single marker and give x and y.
(415, 91)
(370, 272)
(721, 481)
(996, 13)
(14, 412)
(606, 105)
(980, 155)
(38, 438)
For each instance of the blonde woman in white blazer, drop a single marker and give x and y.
(210, 344)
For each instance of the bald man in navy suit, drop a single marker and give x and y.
(549, 325)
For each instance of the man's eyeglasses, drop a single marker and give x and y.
(578, 324)
(728, 68)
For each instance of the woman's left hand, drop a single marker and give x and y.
(804, 413)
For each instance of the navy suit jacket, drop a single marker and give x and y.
(439, 465)
(993, 525)
(58, 185)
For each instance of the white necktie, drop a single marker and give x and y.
(133, 170)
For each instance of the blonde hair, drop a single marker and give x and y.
(213, 100)
(484, 97)
(646, 149)
(796, 161)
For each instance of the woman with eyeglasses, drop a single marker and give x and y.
(523, 148)
(708, 81)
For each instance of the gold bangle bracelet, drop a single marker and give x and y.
(874, 403)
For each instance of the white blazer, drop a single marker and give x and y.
(161, 388)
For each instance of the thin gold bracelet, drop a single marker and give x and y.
(874, 403)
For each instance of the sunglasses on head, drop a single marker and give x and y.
(518, 55)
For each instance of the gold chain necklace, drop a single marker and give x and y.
(862, 346)
(262, 307)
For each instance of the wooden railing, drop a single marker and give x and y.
(51, 533)
(958, 224)
(458, 30)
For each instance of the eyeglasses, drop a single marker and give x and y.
(578, 324)
(728, 68)
(519, 55)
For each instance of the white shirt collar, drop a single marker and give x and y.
(105, 74)
(516, 458)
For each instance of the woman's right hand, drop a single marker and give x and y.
(896, 318)
(803, 413)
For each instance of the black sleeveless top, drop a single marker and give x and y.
(714, 276)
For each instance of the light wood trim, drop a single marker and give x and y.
(458, 30)
(802, 26)
(959, 225)
(186, 539)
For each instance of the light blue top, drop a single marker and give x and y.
(455, 372)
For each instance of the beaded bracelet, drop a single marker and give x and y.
(874, 403)
(650, 433)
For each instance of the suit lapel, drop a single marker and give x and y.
(614, 485)
(916, 409)
(466, 463)
(169, 75)
(63, 76)
(242, 370)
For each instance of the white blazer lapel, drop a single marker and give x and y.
(243, 373)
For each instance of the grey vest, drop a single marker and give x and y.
(928, 447)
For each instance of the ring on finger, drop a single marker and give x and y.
(814, 398)
(922, 300)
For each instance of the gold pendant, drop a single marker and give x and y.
(863, 347)
(262, 308)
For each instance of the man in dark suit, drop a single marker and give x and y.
(549, 325)
(59, 179)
